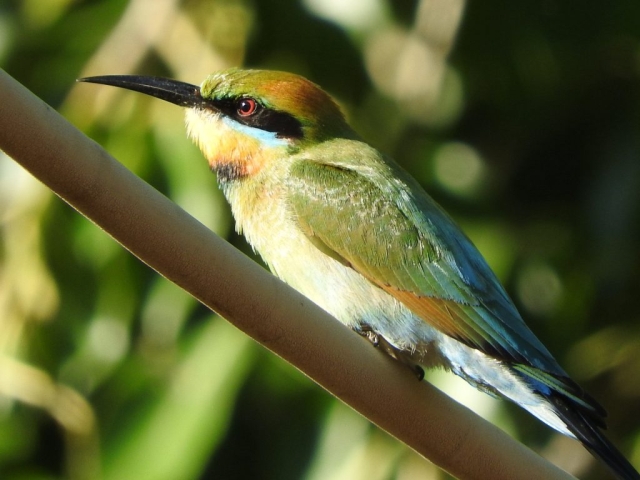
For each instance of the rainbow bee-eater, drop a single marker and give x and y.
(346, 226)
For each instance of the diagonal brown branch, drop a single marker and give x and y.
(183, 250)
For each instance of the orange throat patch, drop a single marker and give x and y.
(230, 152)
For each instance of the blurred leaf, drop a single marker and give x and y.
(173, 435)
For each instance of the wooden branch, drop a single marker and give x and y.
(187, 253)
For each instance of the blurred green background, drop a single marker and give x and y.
(521, 119)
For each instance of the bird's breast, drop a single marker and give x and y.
(263, 218)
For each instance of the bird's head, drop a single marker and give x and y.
(244, 119)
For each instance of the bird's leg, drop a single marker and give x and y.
(379, 341)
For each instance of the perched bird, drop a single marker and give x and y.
(347, 227)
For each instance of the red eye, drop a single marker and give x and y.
(247, 107)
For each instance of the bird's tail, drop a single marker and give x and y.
(589, 434)
(582, 416)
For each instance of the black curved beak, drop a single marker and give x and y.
(173, 91)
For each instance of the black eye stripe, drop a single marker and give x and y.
(283, 124)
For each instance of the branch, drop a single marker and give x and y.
(187, 253)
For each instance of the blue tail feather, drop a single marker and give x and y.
(582, 415)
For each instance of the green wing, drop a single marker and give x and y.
(373, 217)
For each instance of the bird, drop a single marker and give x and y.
(346, 226)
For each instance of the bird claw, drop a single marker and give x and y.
(378, 341)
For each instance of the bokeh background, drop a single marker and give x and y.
(521, 119)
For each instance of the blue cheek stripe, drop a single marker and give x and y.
(269, 139)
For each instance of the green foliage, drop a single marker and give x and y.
(526, 133)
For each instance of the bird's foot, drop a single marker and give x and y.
(367, 332)
(402, 356)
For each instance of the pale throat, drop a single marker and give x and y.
(229, 145)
